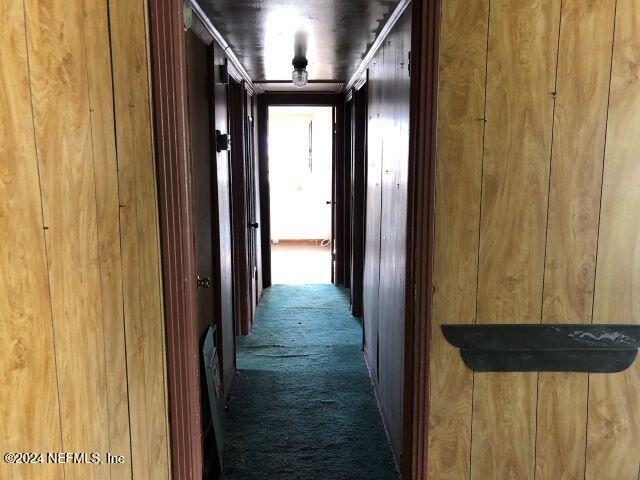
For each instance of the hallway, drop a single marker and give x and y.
(303, 406)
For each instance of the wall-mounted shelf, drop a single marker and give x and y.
(600, 348)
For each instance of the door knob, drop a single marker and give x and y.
(203, 282)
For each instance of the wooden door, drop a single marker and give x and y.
(202, 179)
(222, 208)
(205, 234)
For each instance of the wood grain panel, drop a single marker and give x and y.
(584, 58)
(140, 248)
(29, 410)
(613, 432)
(63, 138)
(399, 251)
(371, 276)
(96, 37)
(386, 320)
(584, 61)
(522, 45)
(386, 212)
(503, 439)
(391, 307)
(59, 76)
(460, 128)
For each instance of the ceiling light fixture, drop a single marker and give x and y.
(299, 75)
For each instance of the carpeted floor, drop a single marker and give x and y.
(302, 405)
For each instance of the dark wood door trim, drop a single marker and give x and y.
(266, 100)
(168, 61)
(263, 183)
(240, 222)
(420, 234)
(346, 193)
(335, 232)
(359, 193)
(302, 99)
(338, 205)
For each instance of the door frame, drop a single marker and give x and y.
(236, 108)
(302, 99)
(358, 187)
(425, 34)
(172, 147)
(171, 138)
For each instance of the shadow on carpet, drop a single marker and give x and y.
(302, 405)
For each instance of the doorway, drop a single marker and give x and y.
(300, 143)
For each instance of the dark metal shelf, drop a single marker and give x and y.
(598, 348)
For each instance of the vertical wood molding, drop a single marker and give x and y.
(176, 227)
(346, 194)
(338, 206)
(358, 171)
(263, 187)
(420, 234)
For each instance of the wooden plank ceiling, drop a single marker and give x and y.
(265, 34)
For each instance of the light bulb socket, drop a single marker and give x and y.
(299, 63)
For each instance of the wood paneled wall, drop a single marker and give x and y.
(386, 217)
(536, 220)
(81, 319)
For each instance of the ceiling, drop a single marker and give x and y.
(265, 35)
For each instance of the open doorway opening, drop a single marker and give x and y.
(300, 177)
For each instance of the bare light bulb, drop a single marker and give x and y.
(299, 77)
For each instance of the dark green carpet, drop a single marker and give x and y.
(302, 406)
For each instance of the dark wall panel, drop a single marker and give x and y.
(384, 277)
